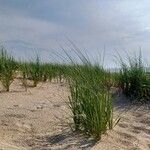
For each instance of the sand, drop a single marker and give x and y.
(39, 119)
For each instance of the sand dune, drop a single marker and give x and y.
(39, 120)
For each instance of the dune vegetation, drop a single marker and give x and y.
(90, 86)
(134, 79)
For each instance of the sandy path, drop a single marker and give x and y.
(38, 120)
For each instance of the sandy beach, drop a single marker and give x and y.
(39, 119)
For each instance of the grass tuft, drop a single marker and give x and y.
(90, 100)
(8, 67)
(134, 79)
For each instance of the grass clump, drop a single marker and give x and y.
(35, 71)
(8, 67)
(90, 100)
(134, 79)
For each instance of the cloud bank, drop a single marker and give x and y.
(37, 26)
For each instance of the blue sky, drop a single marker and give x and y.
(28, 27)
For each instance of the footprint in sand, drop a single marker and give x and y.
(145, 121)
(123, 125)
(135, 131)
(19, 116)
(127, 139)
(142, 129)
(137, 114)
(127, 136)
(24, 127)
(127, 143)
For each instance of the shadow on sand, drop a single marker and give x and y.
(65, 140)
(122, 103)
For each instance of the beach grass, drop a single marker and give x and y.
(134, 79)
(8, 66)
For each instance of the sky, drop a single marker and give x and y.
(45, 27)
